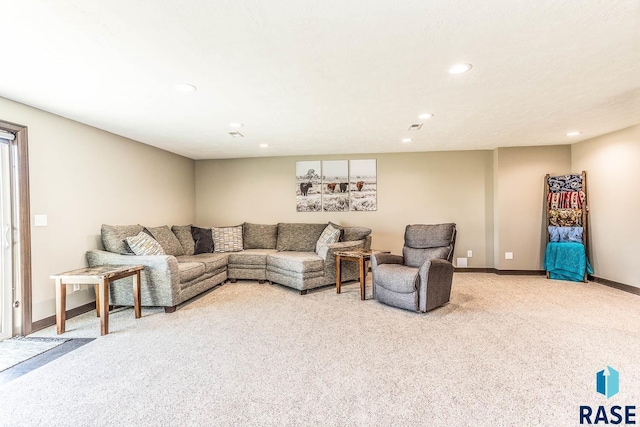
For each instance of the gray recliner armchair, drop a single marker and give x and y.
(420, 280)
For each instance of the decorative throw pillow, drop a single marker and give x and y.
(329, 235)
(143, 244)
(203, 240)
(227, 239)
(169, 242)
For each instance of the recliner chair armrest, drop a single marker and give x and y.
(384, 258)
(436, 276)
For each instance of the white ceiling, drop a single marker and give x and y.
(327, 77)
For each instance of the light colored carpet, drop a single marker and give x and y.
(19, 349)
(507, 351)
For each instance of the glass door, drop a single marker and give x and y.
(6, 245)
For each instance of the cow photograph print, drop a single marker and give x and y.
(363, 188)
(308, 186)
(335, 186)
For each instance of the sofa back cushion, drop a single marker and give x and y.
(349, 234)
(183, 234)
(169, 242)
(299, 237)
(259, 236)
(113, 237)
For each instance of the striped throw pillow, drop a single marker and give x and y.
(227, 239)
(143, 244)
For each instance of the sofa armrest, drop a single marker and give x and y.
(160, 279)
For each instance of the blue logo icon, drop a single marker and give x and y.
(608, 382)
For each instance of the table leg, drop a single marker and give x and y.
(338, 274)
(136, 295)
(61, 306)
(362, 277)
(103, 290)
(97, 291)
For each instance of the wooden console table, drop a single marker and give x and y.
(359, 255)
(100, 277)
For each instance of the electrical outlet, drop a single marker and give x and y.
(508, 255)
(76, 287)
(469, 254)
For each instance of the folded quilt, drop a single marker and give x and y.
(566, 261)
(566, 200)
(565, 183)
(565, 217)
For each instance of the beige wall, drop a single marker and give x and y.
(519, 202)
(413, 188)
(82, 177)
(612, 163)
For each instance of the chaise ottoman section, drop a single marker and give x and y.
(298, 270)
(249, 264)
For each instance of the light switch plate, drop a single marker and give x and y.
(40, 220)
(469, 254)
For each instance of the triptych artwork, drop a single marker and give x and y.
(336, 185)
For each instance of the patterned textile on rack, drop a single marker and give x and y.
(565, 183)
(566, 261)
(565, 217)
(565, 234)
(566, 200)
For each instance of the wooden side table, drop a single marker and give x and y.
(100, 277)
(359, 255)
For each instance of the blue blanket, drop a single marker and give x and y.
(566, 261)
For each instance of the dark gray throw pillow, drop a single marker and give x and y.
(203, 239)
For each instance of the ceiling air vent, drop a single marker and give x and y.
(236, 134)
(415, 126)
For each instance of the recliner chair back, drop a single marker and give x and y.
(428, 242)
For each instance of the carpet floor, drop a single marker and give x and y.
(19, 349)
(506, 351)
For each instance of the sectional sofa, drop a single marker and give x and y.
(284, 253)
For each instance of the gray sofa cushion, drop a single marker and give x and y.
(203, 240)
(259, 236)
(299, 237)
(183, 234)
(113, 237)
(349, 234)
(250, 257)
(212, 262)
(428, 236)
(167, 240)
(190, 271)
(416, 257)
(299, 262)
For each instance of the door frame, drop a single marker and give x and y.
(19, 150)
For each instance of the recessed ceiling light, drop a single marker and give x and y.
(185, 87)
(425, 116)
(236, 125)
(406, 140)
(460, 68)
(264, 145)
(574, 133)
